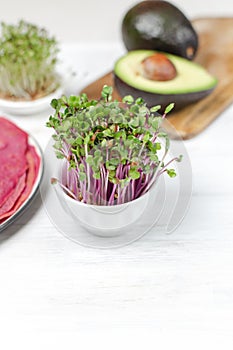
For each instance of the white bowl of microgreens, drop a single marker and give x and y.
(28, 75)
(111, 155)
(103, 220)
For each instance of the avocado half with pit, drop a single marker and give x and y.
(161, 78)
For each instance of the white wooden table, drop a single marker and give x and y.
(54, 292)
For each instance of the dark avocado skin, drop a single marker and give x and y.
(159, 25)
(152, 99)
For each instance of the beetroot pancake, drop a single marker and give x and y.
(35, 157)
(17, 186)
(33, 161)
(10, 202)
(13, 164)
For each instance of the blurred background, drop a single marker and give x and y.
(89, 20)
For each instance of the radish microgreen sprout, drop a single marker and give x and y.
(113, 152)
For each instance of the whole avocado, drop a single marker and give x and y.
(159, 25)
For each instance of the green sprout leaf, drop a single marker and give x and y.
(134, 174)
(169, 108)
(96, 175)
(171, 172)
(82, 176)
(139, 101)
(128, 99)
(179, 159)
(54, 103)
(107, 93)
(155, 109)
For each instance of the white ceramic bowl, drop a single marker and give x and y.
(29, 107)
(106, 221)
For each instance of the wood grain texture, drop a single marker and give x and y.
(216, 55)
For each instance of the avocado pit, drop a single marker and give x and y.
(158, 67)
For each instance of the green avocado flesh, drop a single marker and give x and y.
(191, 77)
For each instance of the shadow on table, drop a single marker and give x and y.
(25, 216)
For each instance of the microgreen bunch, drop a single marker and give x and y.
(28, 57)
(113, 151)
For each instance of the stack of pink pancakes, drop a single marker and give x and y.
(19, 166)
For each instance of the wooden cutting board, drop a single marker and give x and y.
(215, 53)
